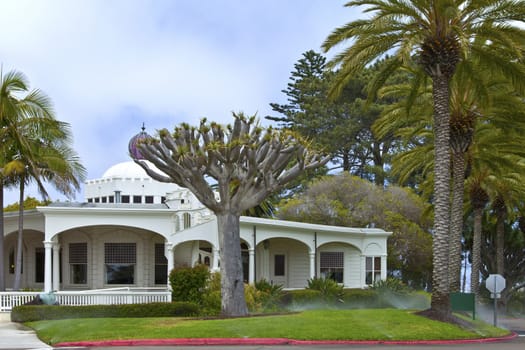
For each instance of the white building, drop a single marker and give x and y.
(132, 230)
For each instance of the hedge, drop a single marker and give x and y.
(356, 299)
(26, 313)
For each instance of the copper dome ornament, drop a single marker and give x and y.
(135, 141)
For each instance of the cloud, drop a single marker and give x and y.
(109, 66)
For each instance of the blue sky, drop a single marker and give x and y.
(111, 65)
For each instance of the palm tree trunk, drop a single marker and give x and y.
(232, 284)
(500, 242)
(20, 240)
(476, 252)
(456, 220)
(440, 301)
(465, 272)
(2, 265)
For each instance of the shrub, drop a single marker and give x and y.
(331, 292)
(355, 299)
(389, 292)
(26, 313)
(188, 283)
(303, 299)
(253, 298)
(391, 284)
(360, 299)
(270, 295)
(211, 296)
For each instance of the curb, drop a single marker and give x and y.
(273, 341)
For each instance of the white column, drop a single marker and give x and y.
(363, 271)
(251, 265)
(48, 266)
(383, 267)
(264, 267)
(56, 266)
(168, 252)
(312, 264)
(215, 260)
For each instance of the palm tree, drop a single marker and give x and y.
(435, 35)
(506, 193)
(13, 107)
(478, 200)
(48, 158)
(497, 178)
(32, 142)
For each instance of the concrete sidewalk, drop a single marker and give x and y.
(512, 323)
(14, 336)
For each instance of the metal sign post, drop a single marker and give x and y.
(495, 284)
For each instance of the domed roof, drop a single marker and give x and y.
(133, 143)
(127, 170)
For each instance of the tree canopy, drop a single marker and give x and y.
(346, 200)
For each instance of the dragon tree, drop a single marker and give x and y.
(229, 169)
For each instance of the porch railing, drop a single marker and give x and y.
(8, 300)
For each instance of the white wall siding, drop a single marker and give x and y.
(299, 270)
(352, 268)
(297, 261)
(183, 254)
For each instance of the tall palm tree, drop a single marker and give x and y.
(499, 114)
(13, 107)
(436, 35)
(497, 178)
(506, 193)
(49, 158)
(30, 135)
(478, 200)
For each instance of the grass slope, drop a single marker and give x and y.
(365, 324)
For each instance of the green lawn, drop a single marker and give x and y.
(365, 324)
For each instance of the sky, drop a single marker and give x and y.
(111, 65)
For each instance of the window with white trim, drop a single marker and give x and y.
(12, 261)
(187, 220)
(332, 265)
(161, 265)
(373, 269)
(120, 260)
(279, 265)
(40, 255)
